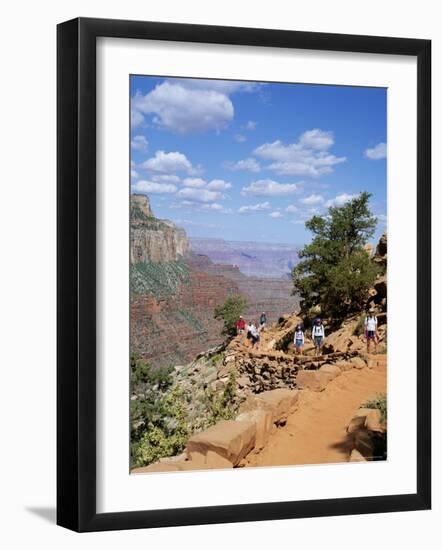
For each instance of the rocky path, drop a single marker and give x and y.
(316, 432)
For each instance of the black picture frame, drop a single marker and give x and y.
(77, 287)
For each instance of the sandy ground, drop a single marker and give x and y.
(316, 432)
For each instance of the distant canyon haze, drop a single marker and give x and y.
(253, 259)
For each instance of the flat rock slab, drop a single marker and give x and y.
(280, 402)
(230, 439)
(263, 420)
(313, 380)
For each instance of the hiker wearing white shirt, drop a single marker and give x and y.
(299, 338)
(318, 335)
(255, 336)
(371, 330)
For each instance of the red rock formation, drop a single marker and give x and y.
(173, 329)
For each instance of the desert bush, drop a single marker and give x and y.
(165, 436)
(222, 405)
(228, 312)
(379, 402)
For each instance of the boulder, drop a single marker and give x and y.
(357, 362)
(243, 381)
(332, 370)
(280, 402)
(343, 365)
(373, 421)
(312, 380)
(230, 439)
(263, 420)
(358, 420)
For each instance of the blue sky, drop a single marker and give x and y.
(252, 161)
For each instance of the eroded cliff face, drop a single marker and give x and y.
(172, 300)
(174, 291)
(151, 239)
(270, 294)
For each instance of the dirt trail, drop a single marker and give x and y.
(316, 432)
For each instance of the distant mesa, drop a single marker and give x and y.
(151, 239)
(253, 259)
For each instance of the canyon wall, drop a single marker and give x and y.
(151, 239)
(174, 291)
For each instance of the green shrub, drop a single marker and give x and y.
(380, 403)
(165, 436)
(229, 312)
(222, 405)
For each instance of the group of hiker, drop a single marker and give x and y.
(371, 334)
(253, 331)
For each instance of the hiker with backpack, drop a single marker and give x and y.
(262, 321)
(240, 325)
(299, 338)
(254, 336)
(318, 335)
(371, 330)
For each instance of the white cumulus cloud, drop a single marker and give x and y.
(194, 182)
(308, 156)
(312, 199)
(254, 208)
(153, 187)
(219, 185)
(269, 188)
(139, 143)
(166, 178)
(198, 195)
(170, 162)
(249, 165)
(340, 199)
(292, 209)
(183, 109)
(377, 152)
(276, 214)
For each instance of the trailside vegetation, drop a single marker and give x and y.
(160, 407)
(379, 402)
(228, 312)
(335, 272)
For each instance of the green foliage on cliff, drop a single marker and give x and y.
(165, 436)
(163, 413)
(229, 311)
(222, 405)
(159, 279)
(335, 271)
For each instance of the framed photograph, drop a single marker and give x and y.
(235, 206)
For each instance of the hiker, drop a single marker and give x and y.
(318, 335)
(255, 336)
(371, 330)
(249, 336)
(240, 325)
(299, 338)
(262, 320)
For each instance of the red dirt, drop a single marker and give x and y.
(316, 432)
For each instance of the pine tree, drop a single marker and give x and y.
(335, 271)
